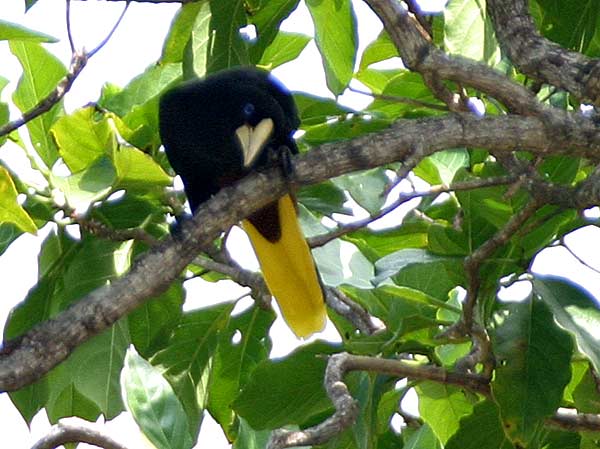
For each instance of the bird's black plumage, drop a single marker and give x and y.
(198, 121)
(217, 130)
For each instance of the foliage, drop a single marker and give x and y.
(409, 275)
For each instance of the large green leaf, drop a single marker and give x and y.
(16, 32)
(10, 209)
(91, 184)
(154, 405)
(575, 310)
(284, 48)
(366, 187)
(441, 167)
(534, 357)
(151, 324)
(185, 359)
(556, 21)
(83, 137)
(423, 438)
(141, 89)
(267, 19)
(41, 73)
(242, 346)
(468, 31)
(442, 407)
(480, 430)
(137, 170)
(216, 43)
(294, 391)
(337, 40)
(380, 49)
(180, 32)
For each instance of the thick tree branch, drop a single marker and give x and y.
(419, 54)
(539, 58)
(346, 408)
(28, 358)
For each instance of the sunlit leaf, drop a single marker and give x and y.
(10, 209)
(16, 32)
(41, 73)
(337, 40)
(153, 404)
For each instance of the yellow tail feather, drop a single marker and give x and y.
(290, 272)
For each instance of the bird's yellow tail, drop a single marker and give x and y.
(290, 272)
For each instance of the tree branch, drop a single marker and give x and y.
(419, 54)
(346, 409)
(26, 359)
(79, 432)
(540, 58)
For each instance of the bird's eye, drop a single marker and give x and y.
(248, 110)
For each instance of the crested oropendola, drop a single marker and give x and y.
(217, 130)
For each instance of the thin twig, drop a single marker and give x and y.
(110, 33)
(323, 239)
(69, 31)
(78, 62)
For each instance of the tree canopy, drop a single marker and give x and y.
(487, 138)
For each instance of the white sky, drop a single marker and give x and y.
(136, 44)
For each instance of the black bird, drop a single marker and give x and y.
(217, 130)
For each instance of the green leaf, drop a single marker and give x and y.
(29, 4)
(314, 110)
(151, 324)
(284, 48)
(480, 430)
(380, 49)
(337, 40)
(70, 402)
(185, 359)
(468, 31)
(141, 89)
(10, 209)
(180, 31)
(83, 137)
(137, 170)
(343, 129)
(575, 310)
(534, 357)
(376, 244)
(325, 198)
(267, 20)
(395, 262)
(100, 385)
(248, 438)
(366, 187)
(585, 395)
(41, 73)
(153, 404)
(235, 360)
(556, 21)
(89, 185)
(294, 392)
(15, 32)
(560, 169)
(216, 43)
(197, 52)
(404, 84)
(441, 167)
(424, 438)
(442, 407)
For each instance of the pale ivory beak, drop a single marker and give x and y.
(253, 139)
